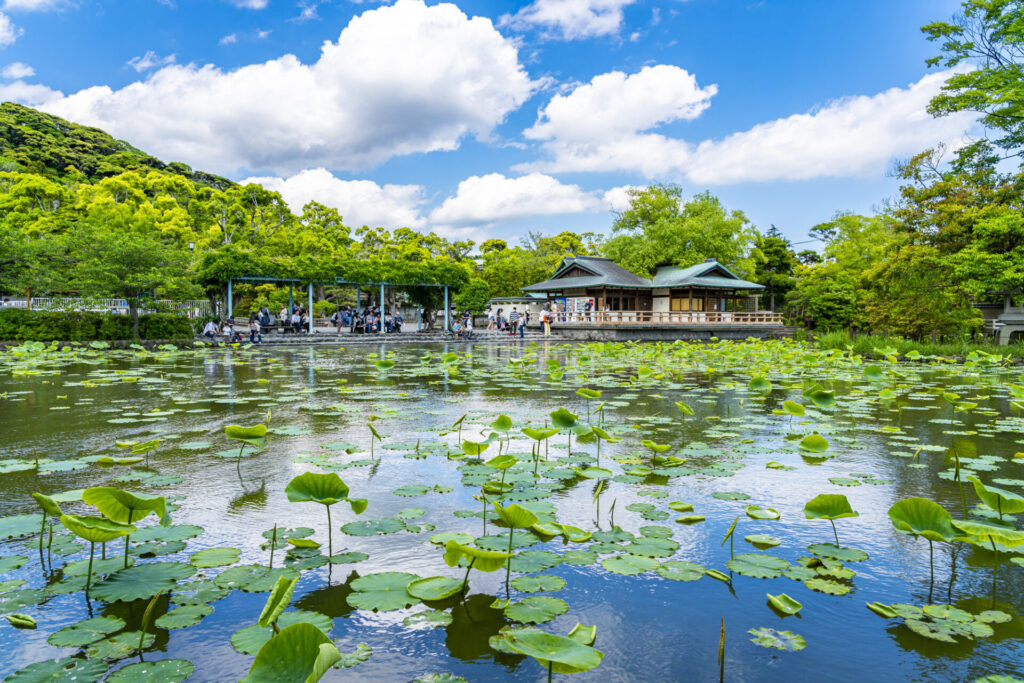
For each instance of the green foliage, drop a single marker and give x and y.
(17, 324)
(473, 297)
(659, 227)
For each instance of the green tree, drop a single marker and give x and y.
(989, 37)
(660, 228)
(473, 297)
(774, 261)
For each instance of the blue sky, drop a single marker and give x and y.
(481, 119)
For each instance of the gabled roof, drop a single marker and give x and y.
(603, 272)
(710, 273)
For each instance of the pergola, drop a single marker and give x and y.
(291, 282)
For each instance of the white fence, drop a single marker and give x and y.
(193, 309)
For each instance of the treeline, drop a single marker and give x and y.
(81, 212)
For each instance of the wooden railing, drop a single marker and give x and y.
(668, 318)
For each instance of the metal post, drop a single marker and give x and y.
(359, 295)
(446, 326)
(229, 299)
(291, 303)
(419, 318)
(310, 308)
(381, 323)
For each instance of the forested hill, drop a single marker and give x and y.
(34, 142)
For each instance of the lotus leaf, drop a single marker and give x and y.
(434, 587)
(679, 570)
(253, 578)
(214, 557)
(758, 512)
(556, 653)
(250, 639)
(373, 527)
(177, 532)
(629, 564)
(1001, 500)
(457, 536)
(141, 581)
(382, 592)
(277, 601)
(254, 436)
(481, 560)
(95, 529)
(11, 562)
(515, 516)
(813, 443)
(779, 640)
(411, 490)
(991, 532)
(536, 610)
(119, 646)
(85, 632)
(520, 539)
(652, 547)
(579, 557)
(356, 657)
(431, 618)
(300, 653)
(123, 506)
(198, 593)
(922, 517)
(67, 669)
(163, 671)
(826, 586)
(758, 566)
(183, 617)
(762, 541)
(836, 553)
(536, 584)
(783, 603)
(534, 561)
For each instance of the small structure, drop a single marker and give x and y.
(707, 292)
(531, 303)
(1009, 326)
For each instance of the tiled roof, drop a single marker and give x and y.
(607, 273)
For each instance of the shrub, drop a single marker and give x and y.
(324, 308)
(17, 324)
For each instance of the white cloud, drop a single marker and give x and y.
(617, 198)
(8, 31)
(33, 5)
(250, 4)
(606, 125)
(149, 61)
(16, 70)
(493, 197)
(569, 19)
(229, 39)
(360, 202)
(614, 104)
(402, 79)
(853, 136)
(28, 94)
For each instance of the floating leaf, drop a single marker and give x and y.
(85, 632)
(300, 652)
(434, 587)
(214, 557)
(183, 617)
(382, 592)
(141, 581)
(251, 638)
(536, 610)
(537, 584)
(779, 640)
(758, 566)
(784, 603)
(163, 671)
(629, 564)
(679, 570)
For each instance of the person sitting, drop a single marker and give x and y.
(389, 322)
(304, 321)
(398, 322)
(296, 321)
(210, 330)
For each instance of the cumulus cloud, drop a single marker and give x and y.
(402, 79)
(16, 70)
(851, 136)
(149, 61)
(360, 202)
(569, 19)
(493, 197)
(617, 198)
(28, 94)
(249, 4)
(8, 31)
(229, 39)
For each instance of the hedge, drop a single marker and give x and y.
(18, 324)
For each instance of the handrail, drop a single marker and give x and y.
(668, 318)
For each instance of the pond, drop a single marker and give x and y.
(692, 441)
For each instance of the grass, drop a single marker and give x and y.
(866, 345)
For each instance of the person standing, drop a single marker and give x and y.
(513, 321)
(492, 323)
(545, 321)
(255, 332)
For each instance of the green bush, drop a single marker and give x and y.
(324, 308)
(18, 324)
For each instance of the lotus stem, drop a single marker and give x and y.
(103, 550)
(330, 543)
(273, 542)
(834, 531)
(42, 532)
(126, 538)
(995, 569)
(550, 665)
(88, 575)
(465, 579)
(508, 564)
(931, 565)
(721, 652)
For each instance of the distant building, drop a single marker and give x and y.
(705, 287)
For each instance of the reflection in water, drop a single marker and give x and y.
(251, 500)
(330, 600)
(473, 623)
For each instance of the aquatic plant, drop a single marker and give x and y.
(326, 489)
(925, 518)
(829, 506)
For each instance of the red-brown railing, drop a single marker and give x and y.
(668, 318)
